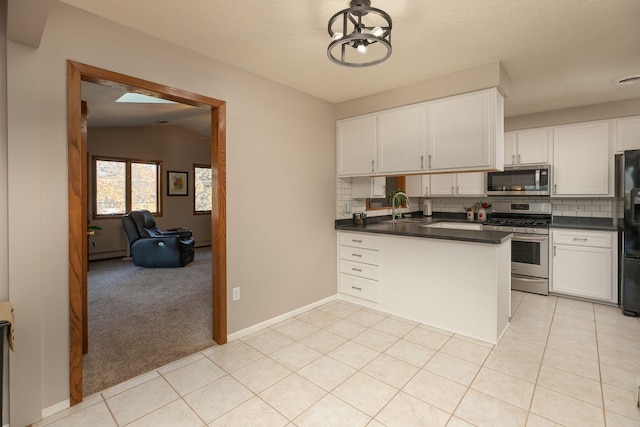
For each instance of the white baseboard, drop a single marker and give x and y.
(277, 319)
(60, 406)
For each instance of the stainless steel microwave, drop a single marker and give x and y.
(532, 180)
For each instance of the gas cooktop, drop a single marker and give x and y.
(519, 222)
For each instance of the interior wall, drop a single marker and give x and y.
(482, 77)
(4, 241)
(609, 110)
(178, 150)
(280, 159)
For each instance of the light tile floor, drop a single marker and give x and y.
(561, 362)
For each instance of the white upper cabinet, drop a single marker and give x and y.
(581, 160)
(458, 133)
(418, 185)
(443, 184)
(366, 187)
(457, 184)
(526, 147)
(356, 140)
(465, 132)
(401, 140)
(471, 184)
(627, 134)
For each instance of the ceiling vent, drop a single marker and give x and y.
(628, 80)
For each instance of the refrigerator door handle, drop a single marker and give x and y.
(634, 195)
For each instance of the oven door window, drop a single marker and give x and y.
(525, 252)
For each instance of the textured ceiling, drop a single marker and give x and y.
(558, 53)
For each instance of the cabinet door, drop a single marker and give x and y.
(471, 184)
(443, 184)
(509, 148)
(365, 187)
(532, 146)
(460, 131)
(356, 139)
(379, 186)
(418, 185)
(581, 159)
(401, 140)
(627, 134)
(582, 271)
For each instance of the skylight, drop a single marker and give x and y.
(138, 98)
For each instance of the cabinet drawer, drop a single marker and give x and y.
(582, 238)
(359, 288)
(359, 269)
(360, 241)
(360, 255)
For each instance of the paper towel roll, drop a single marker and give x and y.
(427, 209)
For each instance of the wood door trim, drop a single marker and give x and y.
(77, 72)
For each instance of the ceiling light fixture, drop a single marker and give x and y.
(359, 44)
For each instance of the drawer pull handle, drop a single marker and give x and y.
(357, 255)
(580, 239)
(356, 288)
(356, 241)
(356, 269)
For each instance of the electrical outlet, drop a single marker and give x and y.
(236, 294)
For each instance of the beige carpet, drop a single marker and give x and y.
(143, 318)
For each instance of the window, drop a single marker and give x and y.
(121, 185)
(202, 193)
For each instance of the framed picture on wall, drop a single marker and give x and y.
(177, 183)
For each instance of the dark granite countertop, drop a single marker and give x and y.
(599, 224)
(416, 229)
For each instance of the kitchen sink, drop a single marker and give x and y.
(455, 225)
(409, 220)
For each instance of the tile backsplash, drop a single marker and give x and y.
(600, 207)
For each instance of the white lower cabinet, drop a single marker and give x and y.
(359, 266)
(462, 287)
(583, 264)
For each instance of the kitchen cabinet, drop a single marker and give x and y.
(584, 264)
(401, 140)
(627, 133)
(581, 161)
(367, 187)
(421, 279)
(358, 266)
(457, 133)
(466, 132)
(523, 147)
(418, 185)
(356, 145)
(458, 184)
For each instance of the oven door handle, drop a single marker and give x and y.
(527, 279)
(530, 238)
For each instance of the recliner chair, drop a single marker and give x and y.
(152, 247)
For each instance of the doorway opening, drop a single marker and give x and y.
(78, 197)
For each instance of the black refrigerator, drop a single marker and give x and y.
(628, 201)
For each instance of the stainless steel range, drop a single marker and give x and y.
(529, 223)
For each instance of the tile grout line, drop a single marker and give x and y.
(595, 327)
(544, 351)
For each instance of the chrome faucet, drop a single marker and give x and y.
(393, 204)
